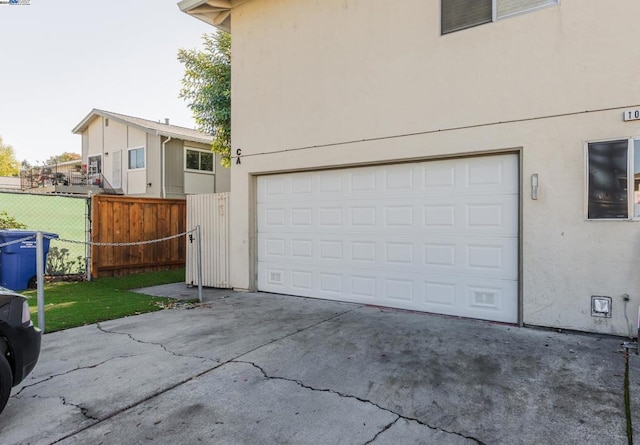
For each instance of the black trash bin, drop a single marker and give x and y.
(18, 260)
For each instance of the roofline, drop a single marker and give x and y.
(84, 124)
(214, 12)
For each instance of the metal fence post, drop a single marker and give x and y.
(199, 262)
(40, 278)
(87, 226)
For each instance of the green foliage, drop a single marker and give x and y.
(9, 222)
(59, 262)
(206, 85)
(9, 165)
(64, 157)
(68, 305)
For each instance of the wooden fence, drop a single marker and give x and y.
(124, 219)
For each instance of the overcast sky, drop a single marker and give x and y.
(59, 59)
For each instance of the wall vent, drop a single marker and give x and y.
(600, 306)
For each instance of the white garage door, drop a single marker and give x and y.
(439, 236)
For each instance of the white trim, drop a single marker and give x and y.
(494, 15)
(524, 11)
(129, 149)
(191, 170)
(630, 179)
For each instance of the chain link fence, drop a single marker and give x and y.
(108, 246)
(66, 216)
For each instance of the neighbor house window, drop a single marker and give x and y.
(613, 182)
(136, 158)
(462, 14)
(199, 160)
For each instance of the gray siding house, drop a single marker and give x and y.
(140, 157)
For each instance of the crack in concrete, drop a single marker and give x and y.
(84, 411)
(382, 431)
(182, 382)
(100, 328)
(79, 368)
(360, 399)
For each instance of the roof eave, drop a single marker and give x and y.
(214, 12)
(84, 123)
(95, 113)
(168, 134)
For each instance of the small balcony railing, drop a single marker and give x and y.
(64, 179)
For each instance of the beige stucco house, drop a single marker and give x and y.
(433, 156)
(139, 157)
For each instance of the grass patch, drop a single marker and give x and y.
(69, 305)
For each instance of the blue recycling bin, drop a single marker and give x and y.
(18, 260)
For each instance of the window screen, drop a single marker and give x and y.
(508, 7)
(136, 158)
(199, 160)
(608, 180)
(193, 160)
(461, 14)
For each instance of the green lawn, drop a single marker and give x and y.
(69, 305)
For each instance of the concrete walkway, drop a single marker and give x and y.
(268, 369)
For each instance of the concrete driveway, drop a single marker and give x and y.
(260, 368)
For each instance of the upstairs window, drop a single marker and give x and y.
(613, 181)
(463, 14)
(198, 160)
(136, 158)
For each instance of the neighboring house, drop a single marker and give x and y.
(9, 183)
(463, 157)
(61, 178)
(140, 157)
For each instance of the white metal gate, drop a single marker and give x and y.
(211, 213)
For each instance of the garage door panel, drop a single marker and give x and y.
(483, 257)
(436, 236)
(437, 293)
(476, 176)
(481, 215)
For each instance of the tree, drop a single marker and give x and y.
(206, 85)
(64, 157)
(9, 165)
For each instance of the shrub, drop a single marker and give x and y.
(9, 222)
(59, 263)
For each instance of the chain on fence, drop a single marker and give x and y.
(66, 221)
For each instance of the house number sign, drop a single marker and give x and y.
(632, 115)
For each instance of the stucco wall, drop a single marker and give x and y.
(359, 82)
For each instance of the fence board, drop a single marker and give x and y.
(122, 219)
